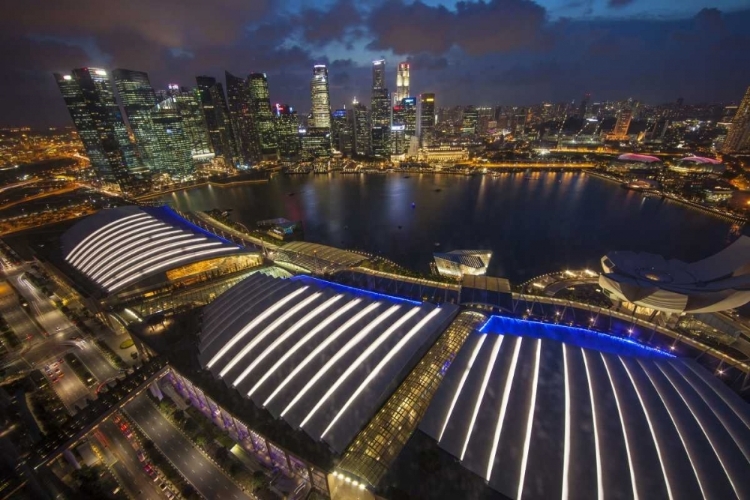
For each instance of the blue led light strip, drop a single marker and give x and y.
(350, 289)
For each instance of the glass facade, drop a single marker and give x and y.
(194, 124)
(426, 119)
(341, 133)
(239, 115)
(287, 128)
(380, 113)
(137, 98)
(216, 114)
(321, 103)
(402, 83)
(174, 146)
(361, 129)
(265, 142)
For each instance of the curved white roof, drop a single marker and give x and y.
(321, 356)
(118, 247)
(717, 283)
(701, 159)
(538, 418)
(638, 157)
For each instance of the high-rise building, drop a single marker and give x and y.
(287, 128)
(583, 108)
(341, 136)
(316, 143)
(265, 143)
(738, 138)
(426, 119)
(194, 123)
(216, 114)
(380, 113)
(398, 130)
(469, 121)
(239, 114)
(174, 151)
(321, 103)
(402, 83)
(91, 103)
(138, 99)
(361, 129)
(622, 125)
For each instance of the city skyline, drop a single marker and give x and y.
(652, 53)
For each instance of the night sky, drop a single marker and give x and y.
(468, 52)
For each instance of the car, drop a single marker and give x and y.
(162, 486)
(54, 380)
(141, 456)
(60, 375)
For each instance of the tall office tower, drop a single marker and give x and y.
(402, 83)
(623, 123)
(380, 112)
(266, 146)
(239, 115)
(341, 132)
(138, 99)
(321, 103)
(92, 106)
(738, 138)
(398, 130)
(217, 118)
(287, 128)
(469, 121)
(410, 120)
(194, 123)
(486, 116)
(583, 108)
(426, 119)
(173, 154)
(361, 129)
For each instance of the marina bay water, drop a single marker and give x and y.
(534, 223)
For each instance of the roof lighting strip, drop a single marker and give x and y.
(624, 429)
(94, 243)
(504, 406)
(172, 262)
(83, 243)
(482, 389)
(374, 373)
(128, 252)
(530, 419)
(288, 333)
(566, 448)
(304, 341)
(124, 232)
(247, 328)
(370, 349)
(262, 335)
(328, 341)
(461, 383)
(120, 246)
(650, 428)
(599, 476)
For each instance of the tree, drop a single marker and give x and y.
(179, 416)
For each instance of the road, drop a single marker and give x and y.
(16, 317)
(205, 477)
(69, 388)
(128, 467)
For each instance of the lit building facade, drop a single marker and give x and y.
(361, 129)
(265, 143)
(91, 103)
(138, 99)
(402, 83)
(316, 143)
(622, 125)
(239, 114)
(217, 119)
(398, 131)
(426, 119)
(738, 138)
(380, 113)
(174, 152)
(194, 124)
(287, 128)
(321, 102)
(341, 131)
(469, 121)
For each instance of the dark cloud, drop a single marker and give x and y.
(426, 62)
(325, 26)
(619, 3)
(495, 26)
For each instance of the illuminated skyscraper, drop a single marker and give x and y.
(426, 119)
(583, 109)
(398, 130)
(217, 118)
(287, 128)
(380, 112)
(265, 143)
(173, 155)
(341, 133)
(361, 129)
(194, 123)
(97, 117)
(469, 121)
(239, 114)
(321, 103)
(138, 99)
(738, 138)
(622, 125)
(402, 83)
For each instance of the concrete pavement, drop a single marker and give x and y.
(205, 477)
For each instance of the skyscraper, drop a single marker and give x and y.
(361, 129)
(341, 136)
(426, 119)
(92, 106)
(239, 114)
(194, 123)
(138, 99)
(398, 130)
(173, 154)
(623, 123)
(217, 118)
(583, 109)
(287, 128)
(265, 144)
(321, 103)
(380, 112)
(738, 138)
(469, 121)
(402, 83)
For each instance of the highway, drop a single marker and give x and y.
(205, 477)
(69, 387)
(128, 467)
(16, 317)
